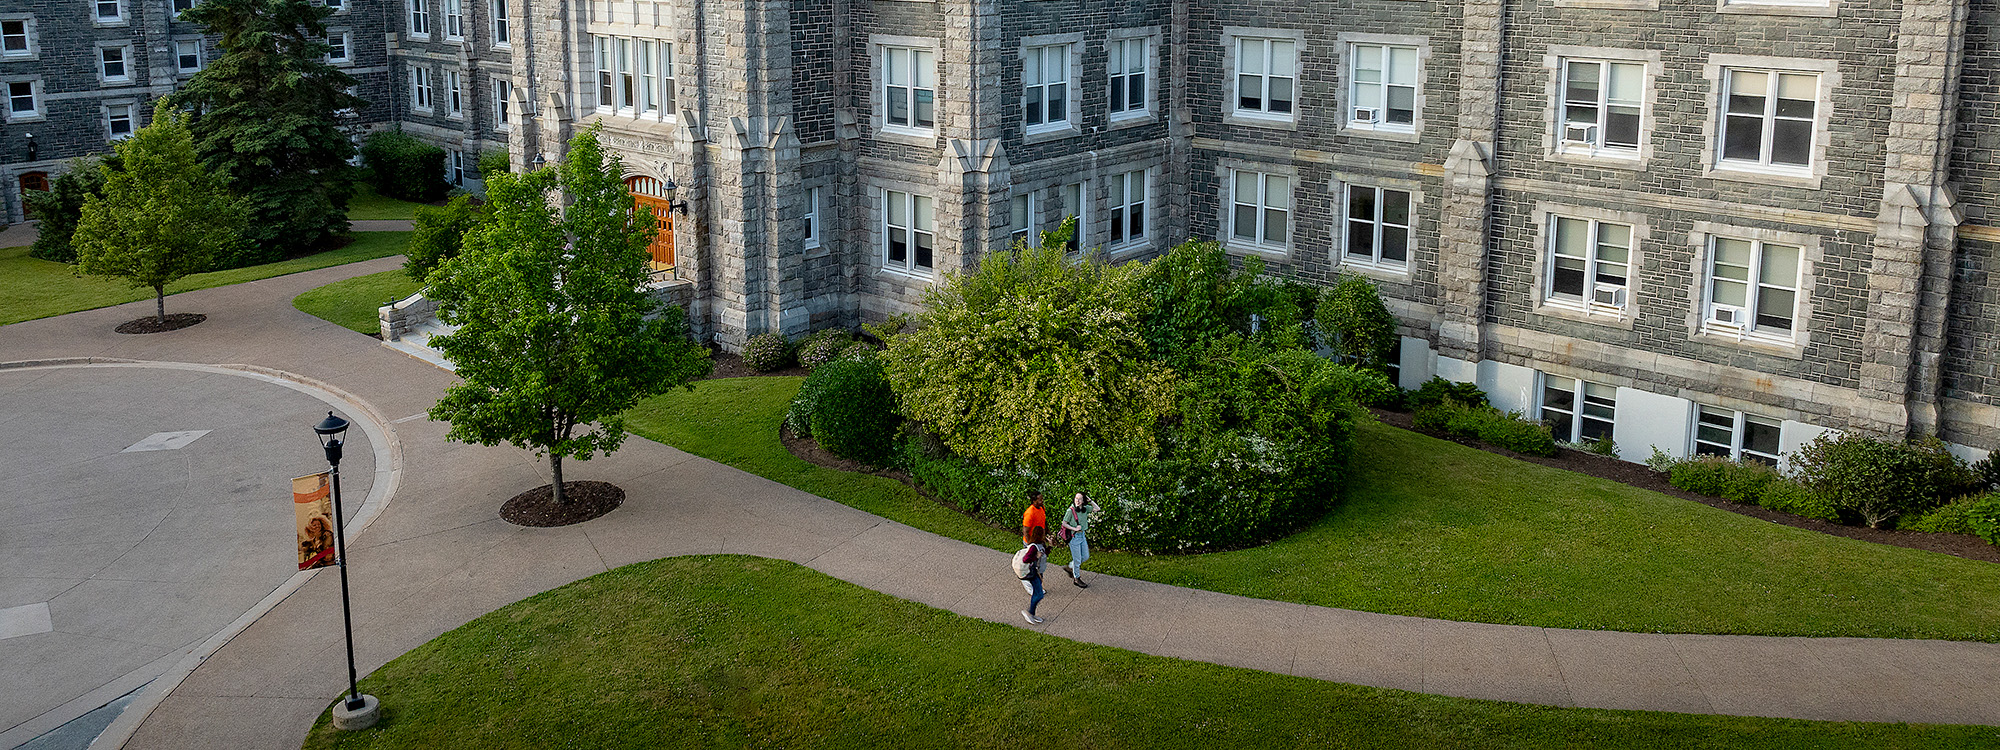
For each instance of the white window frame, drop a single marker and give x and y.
(812, 218)
(1261, 180)
(1556, 147)
(454, 20)
(503, 106)
(502, 25)
(1719, 70)
(1264, 45)
(34, 99)
(1382, 89)
(97, 17)
(603, 80)
(181, 55)
(1122, 77)
(1596, 244)
(175, 6)
(131, 121)
(1767, 120)
(417, 19)
(422, 91)
(1046, 81)
(912, 207)
(125, 62)
(1021, 218)
(454, 167)
(919, 60)
(338, 6)
(454, 94)
(1073, 200)
(31, 45)
(1593, 138)
(1754, 285)
(1736, 424)
(1130, 215)
(1585, 407)
(346, 46)
(1377, 224)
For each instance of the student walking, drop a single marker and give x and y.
(1034, 517)
(1028, 565)
(1076, 525)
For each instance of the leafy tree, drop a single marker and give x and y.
(1356, 323)
(61, 205)
(493, 162)
(437, 234)
(163, 215)
(265, 117)
(556, 340)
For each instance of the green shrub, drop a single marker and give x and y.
(854, 411)
(400, 166)
(1438, 390)
(823, 347)
(1788, 496)
(492, 163)
(1880, 480)
(1986, 472)
(1983, 514)
(61, 206)
(1746, 482)
(1355, 323)
(1604, 447)
(1954, 517)
(1486, 424)
(437, 234)
(766, 352)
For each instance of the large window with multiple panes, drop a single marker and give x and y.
(1075, 208)
(1128, 207)
(1021, 212)
(502, 31)
(454, 94)
(635, 76)
(17, 38)
(1578, 411)
(1589, 264)
(1261, 205)
(115, 64)
(420, 18)
(454, 19)
(907, 234)
(24, 100)
(1752, 287)
(1736, 435)
(339, 47)
(109, 12)
(1045, 87)
(187, 55)
(118, 121)
(1769, 118)
(1378, 226)
(1602, 106)
(420, 88)
(1383, 94)
(1125, 68)
(503, 104)
(908, 90)
(1266, 77)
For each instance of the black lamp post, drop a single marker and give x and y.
(330, 431)
(671, 189)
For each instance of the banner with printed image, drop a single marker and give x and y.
(312, 507)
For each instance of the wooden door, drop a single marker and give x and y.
(650, 196)
(31, 181)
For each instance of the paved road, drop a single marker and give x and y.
(438, 557)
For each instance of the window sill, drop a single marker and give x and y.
(1387, 134)
(1789, 348)
(28, 57)
(1129, 249)
(17, 119)
(450, 38)
(1585, 313)
(1587, 158)
(1130, 119)
(1374, 270)
(1778, 9)
(1267, 252)
(1046, 133)
(408, 37)
(908, 274)
(1758, 175)
(1610, 4)
(1260, 120)
(102, 24)
(921, 138)
(115, 83)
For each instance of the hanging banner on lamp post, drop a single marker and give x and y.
(312, 507)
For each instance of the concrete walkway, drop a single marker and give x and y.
(438, 557)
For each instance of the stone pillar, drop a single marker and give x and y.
(1468, 192)
(1176, 180)
(1909, 275)
(542, 87)
(973, 183)
(691, 256)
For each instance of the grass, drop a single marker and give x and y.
(727, 651)
(352, 303)
(1430, 528)
(31, 288)
(368, 204)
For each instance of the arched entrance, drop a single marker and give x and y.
(31, 181)
(650, 195)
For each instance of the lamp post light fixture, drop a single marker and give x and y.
(32, 148)
(671, 189)
(540, 159)
(358, 711)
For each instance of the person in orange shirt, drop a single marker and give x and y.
(1033, 518)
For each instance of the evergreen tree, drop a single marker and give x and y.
(162, 216)
(556, 339)
(265, 119)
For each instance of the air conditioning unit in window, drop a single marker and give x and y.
(1586, 134)
(1613, 296)
(1365, 114)
(1727, 319)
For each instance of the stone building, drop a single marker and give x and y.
(1719, 226)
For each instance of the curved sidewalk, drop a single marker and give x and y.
(439, 556)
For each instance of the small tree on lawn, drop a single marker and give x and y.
(556, 340)
(437, 234)
(163, 216)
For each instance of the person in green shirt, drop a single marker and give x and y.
(1076, 521)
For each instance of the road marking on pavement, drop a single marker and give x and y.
(418, 415)
(166, 441)
(29, 620)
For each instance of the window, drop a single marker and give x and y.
(455, 167)
(1589, 264)
(812, 217)
(1601, 105)
(118, 121)
(113, 63)
(1045, 87)
(1753, 287)
(110, 12)
(649, 77)
(604, 49)
(503, 107)
(14, 39)
(454, 94)
(1128, 207)
(1022, 210)
(1735, 435)
(420, 18)
(1125, 65)
(337, 5)
(181, 5)
(634, 77)
(1073, 208)
(338, 43)
(1378, 225)
(23, 100)
(906, 228)
(1266, 74)
(187, 55)
(1385, 88)
(454, 19)
(908, 92)
(1263, 205)
(1572, 422)
(420, 88)
(1769, 118)
(500, 21)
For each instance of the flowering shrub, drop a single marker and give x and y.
(765, 352)
(823, 347)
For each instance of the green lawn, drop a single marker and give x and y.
(1435, 529)
(31, 288)
(368, 204)
(352, 303)
(727, 651)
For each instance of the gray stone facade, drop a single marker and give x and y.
(1877, 167)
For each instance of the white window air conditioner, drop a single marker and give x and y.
(1727, 319)
(1585, 134)
(1365, 114)
(1613, 296)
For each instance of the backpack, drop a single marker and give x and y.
(1025, 563)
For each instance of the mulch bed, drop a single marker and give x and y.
(731, 366)
(585, 500)
(152, 324)
(1637, 475)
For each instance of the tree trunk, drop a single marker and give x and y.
(555, 468)
(160, 302)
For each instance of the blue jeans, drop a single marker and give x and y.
(1035, 592)
(1079, 553)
